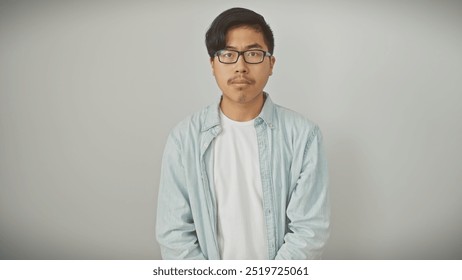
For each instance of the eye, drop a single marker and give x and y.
(254, 53)
(227, 54)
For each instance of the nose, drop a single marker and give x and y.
(241, 65)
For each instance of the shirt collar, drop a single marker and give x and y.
(267, 111)
(212, 114)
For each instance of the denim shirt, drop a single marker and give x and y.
(294, 178)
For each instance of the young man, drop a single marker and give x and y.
(243, 178)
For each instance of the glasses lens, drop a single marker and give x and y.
(254, 56)
(227, 56)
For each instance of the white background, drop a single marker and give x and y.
(90, 89)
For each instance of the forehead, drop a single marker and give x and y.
(243, 36)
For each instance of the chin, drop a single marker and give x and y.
(244, 97)
(241, 94)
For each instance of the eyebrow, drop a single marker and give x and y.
(252, 46)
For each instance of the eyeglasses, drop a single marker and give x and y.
(250, 56)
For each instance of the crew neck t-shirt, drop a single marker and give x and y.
(241, 230)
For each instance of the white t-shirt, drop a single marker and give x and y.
(241, 225)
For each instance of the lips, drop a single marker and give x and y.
(241, 82)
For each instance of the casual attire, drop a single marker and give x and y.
(293, 178)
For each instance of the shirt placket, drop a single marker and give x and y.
(265, 173)
(206, 142)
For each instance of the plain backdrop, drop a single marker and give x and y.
(89, 91)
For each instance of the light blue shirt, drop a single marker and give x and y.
(294, 177)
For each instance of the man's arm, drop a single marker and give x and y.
(308, 209)
(175, 229)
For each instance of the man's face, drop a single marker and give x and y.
(242, 82)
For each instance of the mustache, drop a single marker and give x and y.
(240, 80)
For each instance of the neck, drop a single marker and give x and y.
(242, 112)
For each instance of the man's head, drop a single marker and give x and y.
(215, 38)
(240, 45)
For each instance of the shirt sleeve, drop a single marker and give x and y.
(175, 229)
(308, 210)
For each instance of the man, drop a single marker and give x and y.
(243, 178)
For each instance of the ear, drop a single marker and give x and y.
(212, 66)
(272, 62)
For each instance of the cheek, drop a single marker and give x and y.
(264, 75)
(220, 78)
(220, 75)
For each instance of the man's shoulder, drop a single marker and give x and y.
(290, 117)
(193, 122)
(296, 127)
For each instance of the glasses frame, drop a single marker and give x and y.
(239, 53)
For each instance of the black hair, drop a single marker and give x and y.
(215, 38)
